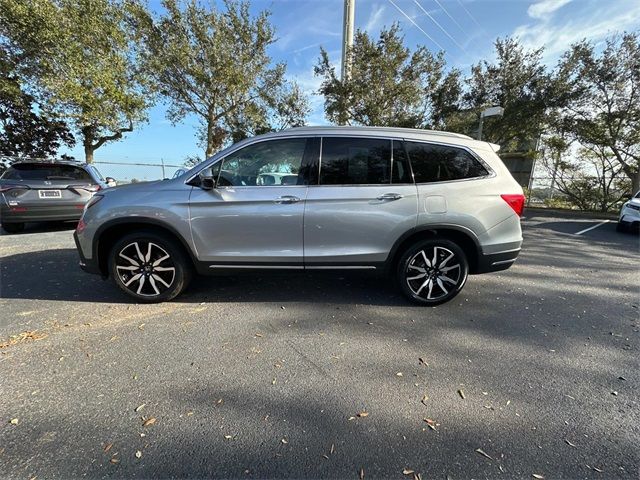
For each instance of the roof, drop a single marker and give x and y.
(377, 130)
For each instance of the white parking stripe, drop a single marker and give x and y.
(591, 228)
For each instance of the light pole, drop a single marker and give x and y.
(489, 112)
(347, 36)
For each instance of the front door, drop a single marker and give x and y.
(254, 215)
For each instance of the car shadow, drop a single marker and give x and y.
(60, 278)
(43, 227)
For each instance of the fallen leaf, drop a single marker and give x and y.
(258, 335)
(424, 399)
(324, 456)
(538, 476)
(598, 469)
(333, 449)
(220, 401)
(361, 474)
(138, 454)
(140, 407)
(114, 460)
(417, 476)
(363, 414)
(189, 414)
(399, 374)
(284, 440)
(569, 443)
(508, 402)
(107, 447)
(407, 471)
(14, 421)
(149, 422)
(461, 393)
(614, 393)
(423, 362)
(352, 418)
(228, 437)
(483, 453)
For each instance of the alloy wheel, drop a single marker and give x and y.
(145, 268)
(433, 273)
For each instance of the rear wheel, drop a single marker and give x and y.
(433, 271)
(621, 227)
(13, 227)
(149, 267)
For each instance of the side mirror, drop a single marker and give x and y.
(207, 179)
(111, 182)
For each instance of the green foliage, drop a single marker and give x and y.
(388, 85)
(214, 64)
(517, 81)
(604, 113)
(24, 130)
(77, 55)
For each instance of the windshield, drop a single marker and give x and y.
(45, 171)
(637, 195)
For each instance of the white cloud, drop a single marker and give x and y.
(544, 8)
(376, 18)
(593, 21)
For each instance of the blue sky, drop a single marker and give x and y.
(465, 29)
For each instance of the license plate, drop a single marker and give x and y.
(49, 193)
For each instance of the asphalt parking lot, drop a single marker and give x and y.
(531, 371)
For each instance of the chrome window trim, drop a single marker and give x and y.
(245, 143)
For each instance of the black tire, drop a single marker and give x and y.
(429, 285)
(13, 227)
(621, 227)
(162, 273)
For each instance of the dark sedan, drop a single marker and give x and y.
(46, 191)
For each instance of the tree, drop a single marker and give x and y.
(388, 85)
(517, 81)
(214, 65)
(78, 55)
(25, 129)
(605, 113)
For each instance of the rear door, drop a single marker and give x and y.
(254, 215)
(364, 201)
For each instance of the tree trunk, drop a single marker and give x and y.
(87, 141)
(215, 138)
(635, 182)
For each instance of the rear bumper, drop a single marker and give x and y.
(21, 214)
(89, 266)
(495, 262)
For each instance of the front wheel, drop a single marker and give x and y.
(149, 267)
(432, 272)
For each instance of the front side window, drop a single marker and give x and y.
(440, 163)
(355, 161)
(268, 163)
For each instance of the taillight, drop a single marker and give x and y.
(515, 201)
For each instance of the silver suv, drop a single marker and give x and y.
(427, 207)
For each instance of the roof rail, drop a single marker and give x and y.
(392, 129)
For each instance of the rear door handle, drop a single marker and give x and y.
(286, 199)
(390, 196)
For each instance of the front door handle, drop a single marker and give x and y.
(286, 199)
(390, 196)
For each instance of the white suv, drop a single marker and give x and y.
(427, 207)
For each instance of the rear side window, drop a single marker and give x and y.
(439, 163)
(355, 161)
(45, 172)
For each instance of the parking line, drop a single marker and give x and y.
(591, 228)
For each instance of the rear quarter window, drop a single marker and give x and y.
(441, 163)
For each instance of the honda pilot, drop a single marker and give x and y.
(428, 208)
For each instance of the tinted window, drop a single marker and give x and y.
(400, 169)
(438, 163)
(269, 163)
(355, 161)
(31, 171)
